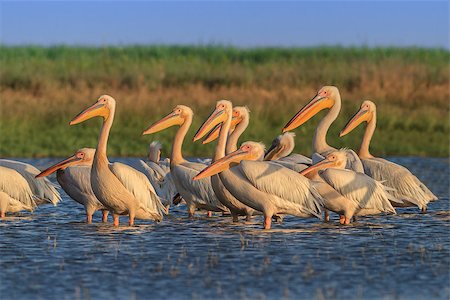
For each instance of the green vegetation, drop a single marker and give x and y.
(43, 88)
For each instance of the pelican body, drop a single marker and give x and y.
(408, 187)
(222, 118)
(43, 190)
(15, 192)
(74, 176)
(120, 188)
(346, 192)
(197, 194)
(328, 97)
(272, 189)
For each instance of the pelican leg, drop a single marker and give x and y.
(191, 210)
(423, 209)
(131, 219)
(116, 220)
(89, 219)
(347, 220)
(2, 214)
(235, 217)
(248, 217)
(209, 214)
(341, 219)
(267, 222)
(326, 216)
(166, 209)
(105, 216)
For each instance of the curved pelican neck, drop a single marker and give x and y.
(100, 153)
(234, 137)
(368, 133)
(176, 156)
(320, 144)
(223, 135)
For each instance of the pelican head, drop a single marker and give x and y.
(83, 157)
(240, 113)
(336, 159)
(325, 98)
(281, 146)
(101, 108)
(248, 151)
(365, 113)
(224, 109)
(177, 117)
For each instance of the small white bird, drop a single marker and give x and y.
(43, 190)
(15, 192)
(74, 176)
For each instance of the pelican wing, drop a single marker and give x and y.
(15, 186)
(137, 184)
(359, 188)
(284, 183)
(42, 188)
(297, 159)
(290, 165)
(407, 186)
(200, 189)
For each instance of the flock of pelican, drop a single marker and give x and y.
(238, 181)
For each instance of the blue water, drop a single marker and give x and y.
(53, 254)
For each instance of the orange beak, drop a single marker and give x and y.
(361, 116)
(171, 119)
(324, 164)
(308, 111)
(217, 117)
(72, 160)
(214, 134)
(95, 110)
(223, 164)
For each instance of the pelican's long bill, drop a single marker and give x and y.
(308, 111)
(61, 165)
(217, 117)
(223, 164)
(95, 110)
(171, 119)
(324, 164)
(270, 153)
(214, 134)
(361, 116)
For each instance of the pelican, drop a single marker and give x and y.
(264, 186)
(15, 192)
(327, 97)
(44, 191)
(407, 186)
(74, 176)
(223, 115)
(239, 112)
(280, 152)
(158, 173)
(120, 188)
(197, 194)
(349, 193)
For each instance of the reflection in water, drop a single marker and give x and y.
(54, 254)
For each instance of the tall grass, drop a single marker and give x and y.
(43, 88)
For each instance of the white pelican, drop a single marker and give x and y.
(357, 194)
(74, 176)
(158, 172)
(120, 188)
(280, 152)
(15, 192)
(407, 186)
(238, 114)
(327, 97)
(264, 186)
(43, 190)
(223, 115)
(197, 194)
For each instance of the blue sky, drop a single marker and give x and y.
(242, 24)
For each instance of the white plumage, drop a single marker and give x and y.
(15, 192)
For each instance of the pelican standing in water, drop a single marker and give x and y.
(408, 187)
(267, 187)
(222, 116)
(327, 97)
(352, 193)
(120, 188)
(197, 194)
(15, 192)
(74, 176)
(43, 190)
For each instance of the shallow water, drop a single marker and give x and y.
(53, 254)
